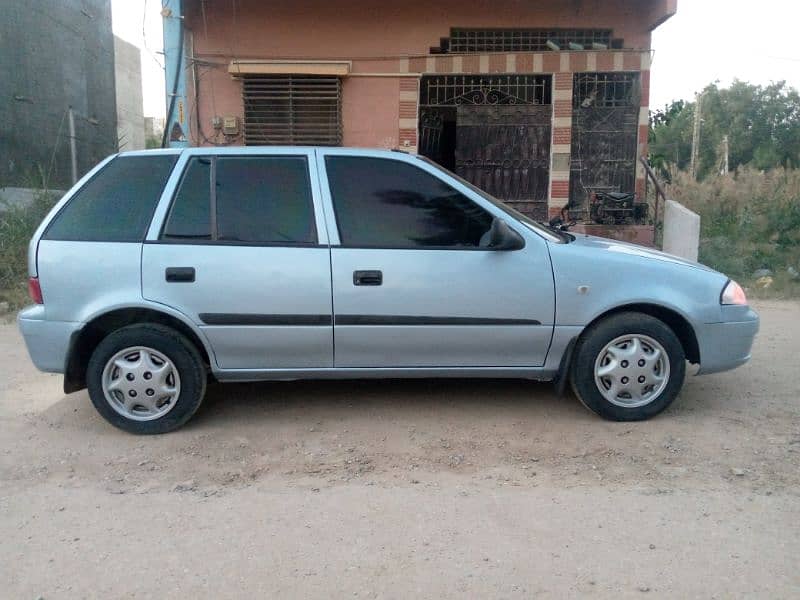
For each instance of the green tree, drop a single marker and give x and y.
(762, 124)
(670, 138)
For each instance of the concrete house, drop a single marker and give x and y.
(55, 55)
(130, 110)
(537, 102)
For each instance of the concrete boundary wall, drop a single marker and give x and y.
(681, 231)
(16, 196)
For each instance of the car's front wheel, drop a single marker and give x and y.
(146, 379)
(628, 367)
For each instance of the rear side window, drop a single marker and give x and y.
(388, 203)
(254, 199)
(190, 216)
(117, 204)
(264, 199)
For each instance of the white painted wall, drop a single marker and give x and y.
(681, 231)
(130, 110)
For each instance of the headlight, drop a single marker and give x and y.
(733, 293)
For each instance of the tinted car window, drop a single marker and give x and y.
(190, 215)
(259, 199)
(388, 203)
(117, 204)
(264, 199)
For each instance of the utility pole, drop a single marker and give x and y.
(725, 167)
(176, 127)
(73, 149)
(698, 119)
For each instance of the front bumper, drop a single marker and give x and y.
(47, 341)
(727, 344)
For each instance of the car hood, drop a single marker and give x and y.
(606, 245)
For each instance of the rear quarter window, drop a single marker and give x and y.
(117, 204)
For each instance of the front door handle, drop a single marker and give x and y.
(179, 274)
(367, 277)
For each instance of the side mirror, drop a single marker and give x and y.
(502, 237)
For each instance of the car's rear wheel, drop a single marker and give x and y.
(146, 379)
(628, 367)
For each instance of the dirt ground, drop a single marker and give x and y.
(408, 489)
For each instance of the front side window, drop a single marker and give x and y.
(117, 204)
(254, 199)
(549, 233)
(387, 203)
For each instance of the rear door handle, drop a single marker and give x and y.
(179, 274)
(367, 277)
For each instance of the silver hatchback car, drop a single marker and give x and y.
(163, 269)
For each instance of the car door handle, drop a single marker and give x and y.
(179, 274)
(367, 277)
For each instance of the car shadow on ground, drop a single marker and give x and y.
(327, 431)
(386, 397)
(467, 402)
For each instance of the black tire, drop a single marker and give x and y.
(592, 343)
(170, 343)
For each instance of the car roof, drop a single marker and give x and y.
(261, 150)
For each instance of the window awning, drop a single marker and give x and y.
(288, 67)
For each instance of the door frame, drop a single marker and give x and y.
(161, 213)
(444, 93)
(171, 187)
(534, 243)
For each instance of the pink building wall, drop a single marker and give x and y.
(369, 112)
(387, 45)
(365, 29)
(362, 29)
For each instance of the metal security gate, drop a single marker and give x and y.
(605, 132)
(493, 130)
(292, 110)
(505, 150)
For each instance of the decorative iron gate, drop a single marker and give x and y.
(605, 132)
(493, 130)
(431, 131)
(505, 150)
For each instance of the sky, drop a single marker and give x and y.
(139, 22)
(708, 40)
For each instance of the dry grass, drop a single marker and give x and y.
(749, 221)
(17, 225)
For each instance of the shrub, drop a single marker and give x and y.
(750, 220)
(17, 224)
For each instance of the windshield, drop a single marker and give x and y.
(554, 235)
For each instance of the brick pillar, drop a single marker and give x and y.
(644, 127)
(561, 141)
(408, 117)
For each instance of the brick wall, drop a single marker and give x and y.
(562, 65)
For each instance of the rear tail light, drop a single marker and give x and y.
(35, 290)
(733, 293)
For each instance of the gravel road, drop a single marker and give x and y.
(408, 489)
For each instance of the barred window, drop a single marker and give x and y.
(526, 40)
(606, 90)
(292, 110)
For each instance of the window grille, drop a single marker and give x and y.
(525, 40)
(452, 90)
(606, 90)
(292, 110)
